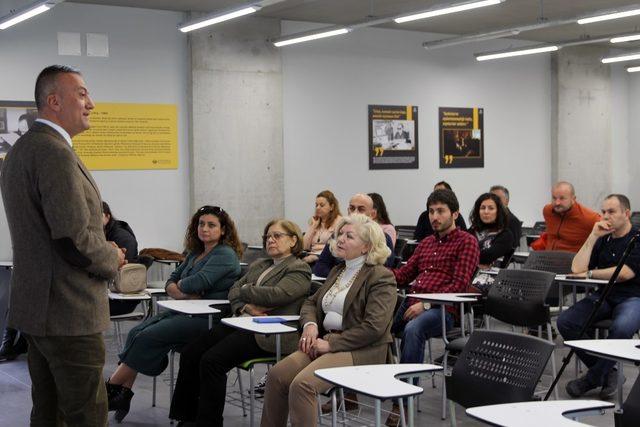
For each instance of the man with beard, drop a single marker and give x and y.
(443, 262)
(569, 223)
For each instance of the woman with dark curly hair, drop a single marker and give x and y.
(489, 225)
(211, 267)
(276, 285)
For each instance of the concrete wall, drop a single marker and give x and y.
(328, 85)
(634, 140)
(583, 142)
(237, 122)
(148, 63)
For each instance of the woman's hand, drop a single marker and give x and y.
(174, 291)
(308, 338)
(314, 222)
(310, 259)
(319, 348)
(256, 310)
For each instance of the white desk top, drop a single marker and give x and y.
(318, 278)
(626, 350)
(559, 277)
(535, 414)
(156, 284)
(412, 242)
(586, 282)
(167, 261)
(6, 264)
(153, 291)
(378, 381)
(193, 306)
(139, 296)
(521, 254)
(446, 298)
(255, 247)
(246, 323)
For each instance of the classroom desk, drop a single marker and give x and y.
(445, 299)
(562, 280)
(194, 306)
(535, 414)
(520, 257)
(246, 323)
(619, 351)
(377, 381)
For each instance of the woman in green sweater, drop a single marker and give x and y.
(211, 267)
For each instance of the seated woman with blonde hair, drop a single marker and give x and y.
(346, 322)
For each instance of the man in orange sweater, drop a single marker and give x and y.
(568, 222)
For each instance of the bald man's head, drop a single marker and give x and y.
(361, 203)
(563, 196)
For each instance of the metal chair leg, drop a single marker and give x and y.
(244, 409)
(553, 358)
(153, 395)
(444, 385)
(252, 397)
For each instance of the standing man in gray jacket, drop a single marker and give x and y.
(61, 259)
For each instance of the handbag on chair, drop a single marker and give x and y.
(131, 279)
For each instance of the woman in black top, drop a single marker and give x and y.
(489, 225)
(122, 235)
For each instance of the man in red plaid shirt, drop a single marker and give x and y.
(442, 263)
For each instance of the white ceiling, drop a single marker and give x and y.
(511, 13)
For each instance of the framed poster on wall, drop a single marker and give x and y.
(461, 137)
(16, 117)
(393, 137)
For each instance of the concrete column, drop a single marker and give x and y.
(237, 154)
(581, 122)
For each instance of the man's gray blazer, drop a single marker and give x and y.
(61, 260)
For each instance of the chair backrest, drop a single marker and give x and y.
(405, 231)
(518, 297)
(630, 408)
(558, 262)
(399, 247)
(314, 287)
(497, 367)
(540, 226)
(252, 254)
(506, 259)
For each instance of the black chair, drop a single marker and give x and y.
(558, 262)
(635, 219)
(405, 231)
(497, 367)
(399, 247)
(540, 226)
(517, 297)
(630, 408)
(252, 253)
(314, 287)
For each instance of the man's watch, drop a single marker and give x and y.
(589, 274)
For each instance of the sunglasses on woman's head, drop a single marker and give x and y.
(213, 209)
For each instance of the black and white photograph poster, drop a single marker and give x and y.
(16, 117)
(461, 137)
(393, 137)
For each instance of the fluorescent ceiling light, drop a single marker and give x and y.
(623, 39)
(301, 39)
(622, 58)
(633, 69)
(608, 16)
(25, 13)
(451, 9)
(217, 18)
(518, 52)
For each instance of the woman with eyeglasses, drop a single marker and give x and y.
(210, 268)
(276, 285)
(347, 322)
